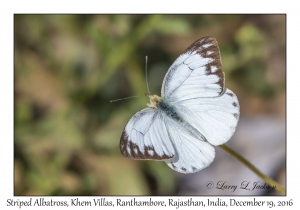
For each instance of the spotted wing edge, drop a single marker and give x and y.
(151, 148)
(207, 47)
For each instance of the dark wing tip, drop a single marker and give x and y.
(135, 153)
(196, 46)
(123, 144)
(208, 47)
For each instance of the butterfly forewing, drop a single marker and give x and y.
(196, 73)
(145, 137)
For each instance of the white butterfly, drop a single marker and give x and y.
(194, 112)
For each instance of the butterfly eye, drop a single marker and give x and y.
(156, 101)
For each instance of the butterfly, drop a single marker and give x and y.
(194, 112)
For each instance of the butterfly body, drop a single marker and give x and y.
(194, 112)
(168, 109)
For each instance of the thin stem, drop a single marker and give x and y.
(267, 179)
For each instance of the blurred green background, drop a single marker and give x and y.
(68, 67)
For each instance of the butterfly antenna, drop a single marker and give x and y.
(123, 99)
(135, 96)
(146, 75)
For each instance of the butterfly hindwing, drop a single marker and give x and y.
(149, 135)
(196, 73)
(215, 118)
(145, 137)
(191, 153)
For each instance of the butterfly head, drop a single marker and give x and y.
(153, 100)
